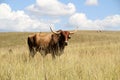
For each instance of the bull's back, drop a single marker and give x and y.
(43, 39)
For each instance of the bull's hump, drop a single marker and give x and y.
(31, 35)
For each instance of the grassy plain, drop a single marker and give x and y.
(90, 55)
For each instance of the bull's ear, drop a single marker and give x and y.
(69, 37)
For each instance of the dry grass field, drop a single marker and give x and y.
(90, 55)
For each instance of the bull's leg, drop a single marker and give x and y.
(53, 55)
(32, 52)
(43, 53)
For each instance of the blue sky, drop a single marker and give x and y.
(38, 15)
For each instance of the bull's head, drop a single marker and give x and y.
(64, 36)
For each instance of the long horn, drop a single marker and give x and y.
(53, 31)
(72, 32)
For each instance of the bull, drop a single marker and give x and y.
(53, 43)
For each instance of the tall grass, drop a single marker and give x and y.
(89, 56)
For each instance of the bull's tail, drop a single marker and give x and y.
(30, 43)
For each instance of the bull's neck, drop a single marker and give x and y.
(61, 40)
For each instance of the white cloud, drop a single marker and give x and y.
(91, 2)
(51, 8)
(81, 20)
(19, 21)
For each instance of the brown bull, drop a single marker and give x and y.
(53, 43)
